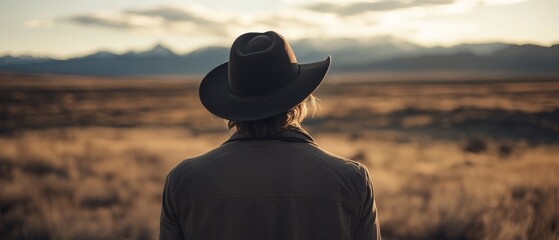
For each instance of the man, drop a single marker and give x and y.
(270, 180)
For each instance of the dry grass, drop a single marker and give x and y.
(87, 159)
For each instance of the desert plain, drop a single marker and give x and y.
(467, 157)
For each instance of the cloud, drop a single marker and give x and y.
(172, 14)
(38, 23)
(295, 23)
(185, 18)
(189, 18)
(332, 19)
(323, 20)
(502, 2)
(196, 20)
(94, 20)
(357, 8)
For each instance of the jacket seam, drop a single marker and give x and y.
(273, 195)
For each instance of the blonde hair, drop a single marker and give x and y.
(273, 125)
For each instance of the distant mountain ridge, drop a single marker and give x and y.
(349, 55)
(523, 58)
(23, 59)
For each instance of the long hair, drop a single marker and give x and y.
(273, 125)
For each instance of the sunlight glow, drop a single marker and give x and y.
(425, 22)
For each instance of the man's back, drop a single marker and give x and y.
(283, 187)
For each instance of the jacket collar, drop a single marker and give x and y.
(290, 135)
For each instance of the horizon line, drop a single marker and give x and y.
(182, 53)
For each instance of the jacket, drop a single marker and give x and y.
(283, 187)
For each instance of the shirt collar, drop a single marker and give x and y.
(290, 135)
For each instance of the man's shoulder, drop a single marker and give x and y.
(191, 163)
(350, 164)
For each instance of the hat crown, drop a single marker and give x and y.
(258, 44)
(260, 64)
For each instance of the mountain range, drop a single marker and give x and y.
(348, 55)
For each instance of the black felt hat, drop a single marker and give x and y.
(261, 79)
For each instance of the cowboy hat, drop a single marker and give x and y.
(261, 79)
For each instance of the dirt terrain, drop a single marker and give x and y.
(85, 157)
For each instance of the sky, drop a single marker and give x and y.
(69, 28)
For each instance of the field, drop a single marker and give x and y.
(85, 158)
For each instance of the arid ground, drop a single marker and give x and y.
(85, 158)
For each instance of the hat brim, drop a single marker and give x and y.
(220, 101)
